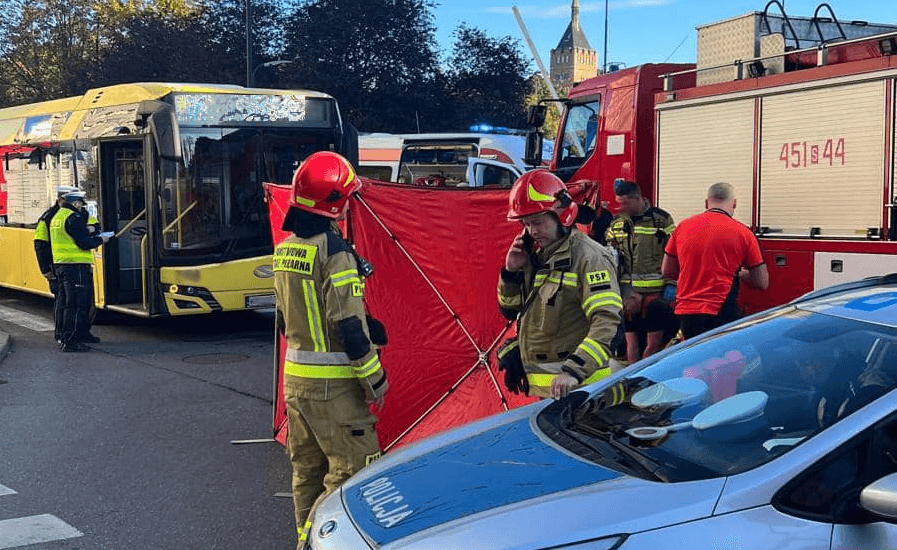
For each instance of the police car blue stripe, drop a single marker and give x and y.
(498, 467)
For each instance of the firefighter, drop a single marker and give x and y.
(45, 255)
(561, 286)
(638, 235)
(71, 247)
(332, 370)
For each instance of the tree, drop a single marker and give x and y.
(48, 49)
(538, 90)
(377, 57)
(487, 79)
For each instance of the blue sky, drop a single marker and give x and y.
(639, 31)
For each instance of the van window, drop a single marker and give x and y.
(379, 173)
(436, 165)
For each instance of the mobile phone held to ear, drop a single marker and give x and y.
(527, 242)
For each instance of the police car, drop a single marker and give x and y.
(777, 431)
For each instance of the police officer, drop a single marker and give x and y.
(332, 370)
(71, 244)
(45, 255)
(561, 286)
(638, 235)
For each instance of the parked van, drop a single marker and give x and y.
(453, 160)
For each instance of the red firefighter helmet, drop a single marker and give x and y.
(323, 184)
(540, 191)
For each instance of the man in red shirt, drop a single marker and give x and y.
(710, 255)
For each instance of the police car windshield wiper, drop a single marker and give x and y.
(614, 450)
(640, 463)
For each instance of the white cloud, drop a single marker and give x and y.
(562, 11)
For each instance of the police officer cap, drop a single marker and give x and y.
(624, 188)
(64, 190)
(76, 195)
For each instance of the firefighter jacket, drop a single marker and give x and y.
(320, 306)
(42, 242)
(567, 303)
(69, 241)
(639, 242)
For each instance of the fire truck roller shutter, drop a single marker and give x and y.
(823, 161)
(699, 145)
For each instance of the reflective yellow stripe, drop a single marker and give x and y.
(569, 279)
(507, 349)
(613, 303)
(344, 278)
(650, 283)
(315, 329)
(318, 371)
(303, 533)
(598, 375)
(542, 380)
(302, 200)
(369, 368)
(644, 230)
(595, 301)
(345, 282)
(509, 301)
(669, 229)
(595, 350)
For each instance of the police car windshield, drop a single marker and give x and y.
(779, 379)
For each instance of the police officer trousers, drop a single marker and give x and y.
(329, 440)
(76, 282)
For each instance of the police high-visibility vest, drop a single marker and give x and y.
(65, 251)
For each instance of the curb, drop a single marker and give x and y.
(4, 344)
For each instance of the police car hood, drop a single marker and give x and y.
(506, 477)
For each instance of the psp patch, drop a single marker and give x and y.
(598, 277)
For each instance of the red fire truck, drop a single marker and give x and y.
(797, 113)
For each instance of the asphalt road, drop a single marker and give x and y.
(129, 446)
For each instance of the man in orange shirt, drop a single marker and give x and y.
(710, 255)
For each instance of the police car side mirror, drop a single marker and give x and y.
(880, 498)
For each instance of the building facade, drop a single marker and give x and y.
(573, 60)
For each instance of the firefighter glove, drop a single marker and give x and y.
(377, 331)
(510, 362)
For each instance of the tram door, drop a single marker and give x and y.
(123, 173)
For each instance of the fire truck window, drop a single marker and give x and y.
(580, 133)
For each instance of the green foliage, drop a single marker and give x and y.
(487, 80)
(379, 58)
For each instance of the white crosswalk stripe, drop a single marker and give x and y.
(30, 530)
(27, 320)
(34, 530)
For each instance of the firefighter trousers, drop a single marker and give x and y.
(328, 441)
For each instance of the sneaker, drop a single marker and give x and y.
(90, 339)
(74, 347)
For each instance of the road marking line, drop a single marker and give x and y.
(26, 320)
(6, 491)
(34, 530)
